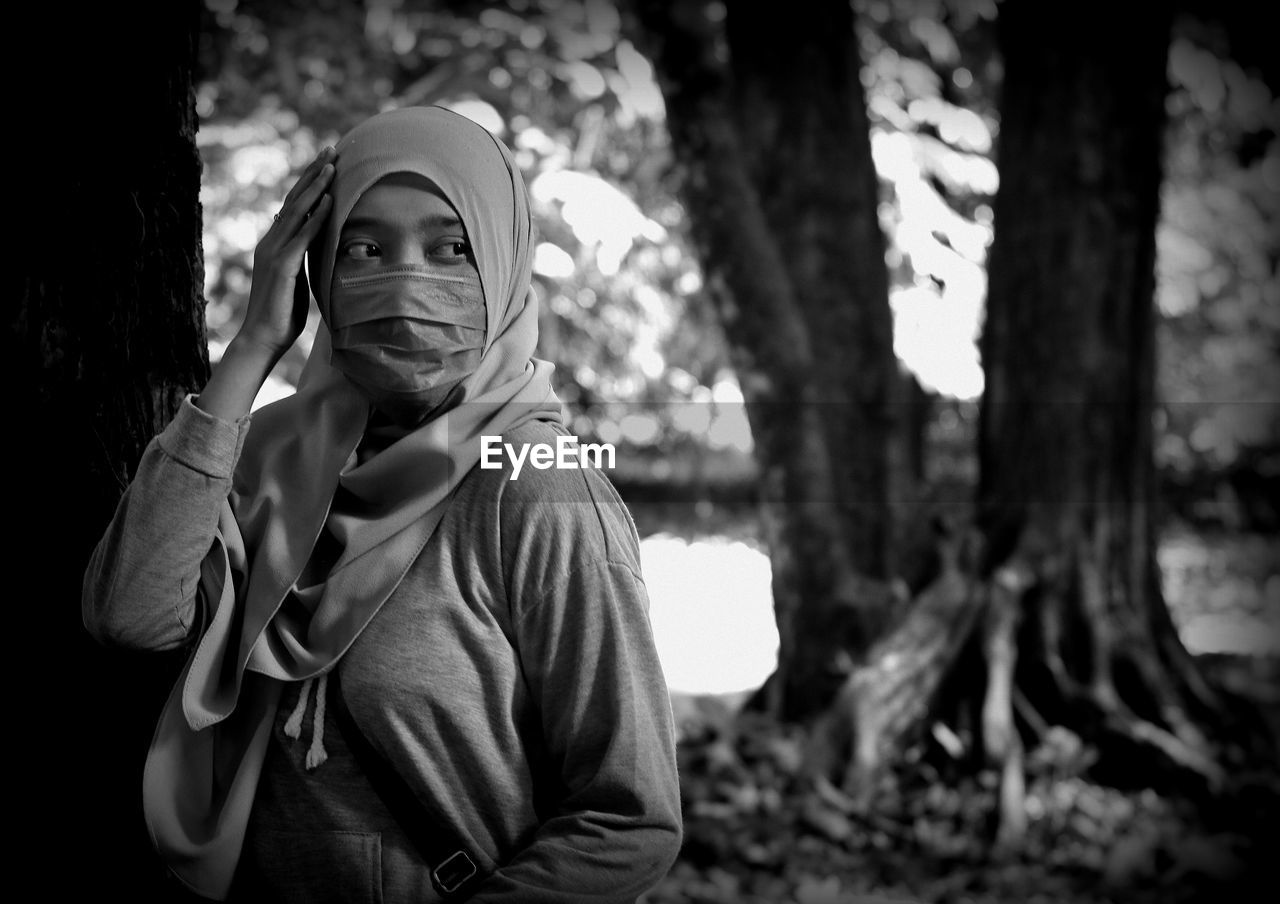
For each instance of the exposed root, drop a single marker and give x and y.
(1182, 754)
(999, 735)
(1030, 715)
(884, 699)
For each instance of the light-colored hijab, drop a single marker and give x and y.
(298, 476)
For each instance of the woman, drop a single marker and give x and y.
(389, 643)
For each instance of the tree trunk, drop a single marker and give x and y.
(801, 118)
(777, 176)
(1066, 487)
(1065, 608)
(887, 698)
(106, 336)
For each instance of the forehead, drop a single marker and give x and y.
(403, 199)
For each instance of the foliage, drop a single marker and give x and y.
(640, 358)
(758, 831)
(1219, 286)
(1223, 590)
(931, 75)
(621, 315)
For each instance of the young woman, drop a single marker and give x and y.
(410, 678)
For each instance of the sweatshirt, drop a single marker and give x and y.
(511, 680)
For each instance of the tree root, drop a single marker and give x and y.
(1135, 695)
(1179, 752)
(1000, 737)
(883, 700)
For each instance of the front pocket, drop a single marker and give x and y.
(314, 867)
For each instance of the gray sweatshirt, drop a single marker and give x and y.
(511, 680)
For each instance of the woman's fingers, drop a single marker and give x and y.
(301, 221)
(314, 220)
(297, 248)
(300, 201)
(309, 174)
(278, 297)
(315, 192)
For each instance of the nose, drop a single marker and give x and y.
(406, 251)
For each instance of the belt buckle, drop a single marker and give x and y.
(453, 872)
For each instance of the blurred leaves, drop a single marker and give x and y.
(621, 314)
(1219, 287)
(930, 78)
(1223, 591)
(757, 829)
(624, 315)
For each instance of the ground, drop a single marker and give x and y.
(755, 831)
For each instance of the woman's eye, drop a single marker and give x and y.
(453, 250)
(360, 250)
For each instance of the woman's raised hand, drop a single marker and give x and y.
(279, 297)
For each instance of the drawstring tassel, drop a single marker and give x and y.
(293, 727)
(316, 754)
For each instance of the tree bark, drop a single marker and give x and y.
(887, 698)
(106, 336)
(801, 118)
(1065, 438)
(768, 126)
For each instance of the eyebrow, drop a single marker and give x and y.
(435, 221)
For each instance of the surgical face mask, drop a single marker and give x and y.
(407, 336)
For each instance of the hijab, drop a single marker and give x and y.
(277, 614)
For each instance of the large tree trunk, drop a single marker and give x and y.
(106, 335)
(801, 119)
(1064, 612)
(774, 150)
(1066, 488)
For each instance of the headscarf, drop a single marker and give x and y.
(299, 478)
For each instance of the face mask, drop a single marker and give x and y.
(407, 336)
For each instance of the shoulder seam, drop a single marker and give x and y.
(609, 563)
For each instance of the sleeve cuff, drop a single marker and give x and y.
(203, 442)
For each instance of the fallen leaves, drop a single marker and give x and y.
(759, 830)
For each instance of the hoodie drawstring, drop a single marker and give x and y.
(316, 753)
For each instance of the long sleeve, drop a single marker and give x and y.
(585, 641)
(139, 587)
